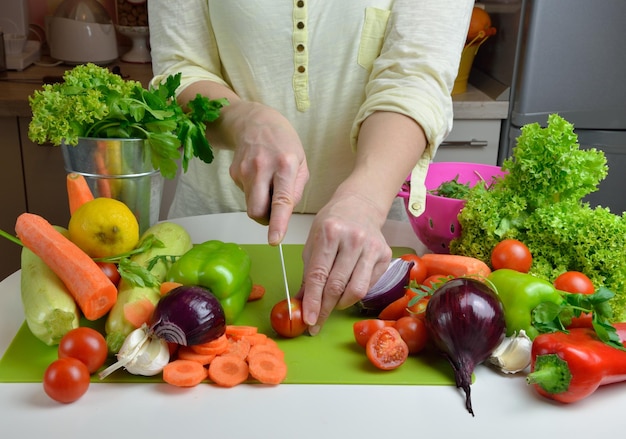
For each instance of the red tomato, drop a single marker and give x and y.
(364, 329)
(413, 332)
(419, 271)
(434, 279)
(84, 344)
(574, 282)
(66, 380)
(279, 318)
(511, 254)
(418, 309)
(110, 269)
(386, 350)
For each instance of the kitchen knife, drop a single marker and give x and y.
(282, 264)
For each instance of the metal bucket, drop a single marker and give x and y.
(120, 169)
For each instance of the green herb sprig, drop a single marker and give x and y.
(94, 102)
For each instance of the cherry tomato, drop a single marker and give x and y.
(574, 282)
(418, 309)
(110, 270)
(386, 350)
(435, 280)
(364, 329)
(279, 318)
(413, 332)
(419, 271)
(86, 345)
(66, 380)
(511, 254)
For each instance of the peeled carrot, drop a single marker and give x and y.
(184, 373)
(266, 368)
(94, 293)
(455, 265)
(228, 370)
(395, 309)
(239, 347)
(78, 191)
(257, 292)
(168, 286)
(139, 312)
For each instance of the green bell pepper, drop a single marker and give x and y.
(222, 267)
(521, 293)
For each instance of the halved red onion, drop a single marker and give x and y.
(391, 286)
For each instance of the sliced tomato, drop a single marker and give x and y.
(364, 329)
(282, 324)
(386, 350)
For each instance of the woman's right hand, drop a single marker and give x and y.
(269, 163)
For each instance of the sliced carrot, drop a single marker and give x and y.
(455, 265)
(395, 309)
(268, 349)
(257, 339)
(228, 370)
(139, 312)
(239, 347)
(93, 291)
(168, 286)
(238, 331)
(268, 369)
(215, 347)
(186, 353)
(78, 191)
(258, 291)
(184, 373)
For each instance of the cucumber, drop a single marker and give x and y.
(176, 242)
(49, 309)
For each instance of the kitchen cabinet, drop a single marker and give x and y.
(474, 141)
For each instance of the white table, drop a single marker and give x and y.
(505, 406)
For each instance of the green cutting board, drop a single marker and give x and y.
(331, 357)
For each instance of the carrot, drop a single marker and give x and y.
(184, 373)
(78, 191)
(137, 313)
(104, 185)
(186, 353)
(262, 349)
(395, 309)
(455, 265)
(239, 347)
(215, 347)
(257, 339)
(258, 291)
(168, 286)
(228, 370)
(238, 331)
(94, 293)
(266, 368)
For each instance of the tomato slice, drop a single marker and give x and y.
(386, 350)
(364, 329)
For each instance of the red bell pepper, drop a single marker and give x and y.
(568, 367)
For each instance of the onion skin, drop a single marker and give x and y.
(465, 321)
(391, 286)
(188, 315)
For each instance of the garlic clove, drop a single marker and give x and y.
(513, 354)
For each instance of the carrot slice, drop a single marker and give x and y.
(238, 331)
(257, 292)
(213, 347)
(262, 349)
(186, 353)
(93, 291)
(239, 347)
(168, 286)
(228, 370)
(78, 191)
(268, 369)
(257, 339)
(139, 312)
(184, 373)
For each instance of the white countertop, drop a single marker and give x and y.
(505, 406)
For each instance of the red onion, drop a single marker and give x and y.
(391, 286)
(188, 315)
(465, 320)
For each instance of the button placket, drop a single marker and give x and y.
(300, 55)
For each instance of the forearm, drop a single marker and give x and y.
(388, 148)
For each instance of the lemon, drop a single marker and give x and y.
(104, 227)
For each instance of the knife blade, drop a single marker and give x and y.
(282, 264)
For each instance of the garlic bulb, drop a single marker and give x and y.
(513, 354)
(141, 354)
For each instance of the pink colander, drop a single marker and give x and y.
(438, 225)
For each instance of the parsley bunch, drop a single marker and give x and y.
(94, 102)
(539, 202)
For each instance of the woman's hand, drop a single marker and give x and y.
(344, 255)
(269, 164)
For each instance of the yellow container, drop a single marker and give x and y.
(465, 66)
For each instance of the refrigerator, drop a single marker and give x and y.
(566, 57)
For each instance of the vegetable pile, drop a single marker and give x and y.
(94, 102)
(539, 202)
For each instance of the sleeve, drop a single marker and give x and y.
(415, 72)
(182, 40)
